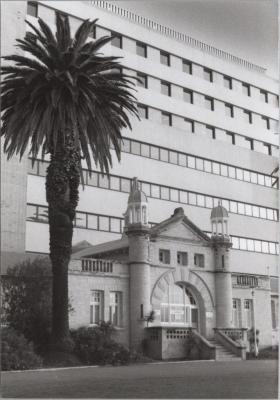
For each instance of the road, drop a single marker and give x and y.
(197, 379)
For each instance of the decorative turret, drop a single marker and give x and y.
(137, 208)
(221, 244)
(137, 230)
(219, 220)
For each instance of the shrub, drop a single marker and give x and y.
(27, 296)
(95, 345)
(17, 353)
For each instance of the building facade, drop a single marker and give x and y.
(207, 134)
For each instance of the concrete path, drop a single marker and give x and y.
(197, 379)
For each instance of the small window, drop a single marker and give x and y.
(166, 118)
(229, 110)
(264, 96)
(227, 82)
(250, 143)
(80, 220)
(115, 308)
(188, 96)
(199, 260)
(187, 67)
(165, 88)
(92, 221)
(210, 131)
(164, 58)
(32, 8)
(209, 103)
(164, 256)
(189, 125)
(182, 258)
(142, 111)
(267, 148)
(31, 213)
(96, 307)
(141, 49)
(231, 137)
(142, 80)
(246, 89)
(247, 116)
(266, 122)
(207, 74)
(117, 40)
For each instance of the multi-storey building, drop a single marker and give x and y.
(207, 134)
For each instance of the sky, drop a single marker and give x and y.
(245, 28)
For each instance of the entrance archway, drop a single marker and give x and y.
(182, 298)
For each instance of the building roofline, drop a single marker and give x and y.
(172, 33)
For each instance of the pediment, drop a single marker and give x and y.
(181, 230)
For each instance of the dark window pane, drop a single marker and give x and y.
(141, 49)
(32, 8)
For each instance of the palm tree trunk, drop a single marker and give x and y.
(62, 183)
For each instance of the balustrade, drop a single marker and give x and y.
(95, 265)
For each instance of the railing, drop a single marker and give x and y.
(244, 280)
(233, 333)
(228, 338)
(182, 37)
(94, 265)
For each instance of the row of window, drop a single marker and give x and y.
(106, 223)
(189, 126)
(97, 308)
(189, 161)
(209, 102)
(182, 258)
(118, 183)
(141, 49)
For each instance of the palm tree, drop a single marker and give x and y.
(69, 101)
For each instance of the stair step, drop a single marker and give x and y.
(222, 353)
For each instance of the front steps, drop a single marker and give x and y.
(223, 354)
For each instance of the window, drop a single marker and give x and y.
(164, 58)
(93, 222)
(141, 49)
(236, 313)
(166, 118)
(274, 312)
(199, 260)
(246, 89)
(248, 307)
(115, 308)
(104, 223)
(189, 125)
(209, 103)
(187, 66)
(165, 88)
(142, 80)
(210, 131)
(96, 307)
(227, 82)
(247, 116)
(267, 148)
(182, 258)
(264, 96)
(32, 8)
(81, 220)
(188, 96)
(207, 74)
(231, 137)
(164, 256)
(143, 111)
(266, 122)
(31, 212)
(104, 181)
(250, 143)
(117, 40)
(92, 33)
(229, 110)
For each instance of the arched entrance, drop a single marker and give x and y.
(182, 298)
(179, 306)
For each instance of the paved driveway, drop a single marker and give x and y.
(200, 379)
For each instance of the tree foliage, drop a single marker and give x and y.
(64, 84)
(27, 292)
